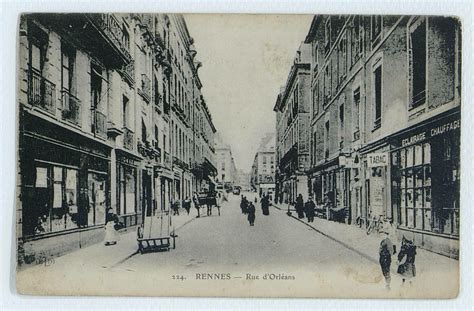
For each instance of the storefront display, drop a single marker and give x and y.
(425, 178)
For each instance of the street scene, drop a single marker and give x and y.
(159, 155)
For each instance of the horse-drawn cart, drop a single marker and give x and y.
(209, 199)
(156, 233)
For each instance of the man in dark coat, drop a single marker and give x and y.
(265, 205)
(251, 213)
(299, 206)
(309, 209)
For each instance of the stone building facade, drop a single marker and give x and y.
(385, 123)
(292, 109)
(110, 116)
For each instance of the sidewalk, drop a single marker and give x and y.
(430, 267)
(110, 256)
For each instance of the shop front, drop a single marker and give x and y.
(329, 186)
(128, 209)
(375, 182)
(425, 178)
(65, 191)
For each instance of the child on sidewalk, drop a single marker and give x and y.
(386, 250)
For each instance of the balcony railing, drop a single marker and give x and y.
(145, 89)
(109, 24)
(128, 71)
(41, 92)
(99, 124)
(128, 137)
(71, 107)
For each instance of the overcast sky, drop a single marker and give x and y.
(246, 59)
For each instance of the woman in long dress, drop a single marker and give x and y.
(406, 260)
(111, 235)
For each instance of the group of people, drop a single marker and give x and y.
(405, 259)
(307, 208)
(248, 207)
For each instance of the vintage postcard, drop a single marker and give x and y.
(236, 155)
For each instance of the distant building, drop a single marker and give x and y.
(226, 170)
(243, 179)
(292, 129)
(262, 175)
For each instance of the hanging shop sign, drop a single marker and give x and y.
(376, 159)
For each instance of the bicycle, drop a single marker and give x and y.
(375, 223)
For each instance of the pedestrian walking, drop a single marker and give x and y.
(386, 250)
(242, 204)
(309, 209)
(196, 203)
(300, 206)
(175, 206)
(406, 260)
(251, 214)
(187, 205)
(265, 203)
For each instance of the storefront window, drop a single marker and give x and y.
(97, 198)
(427, 185)
(127, 191)
(55, 200)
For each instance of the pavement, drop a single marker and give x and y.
(429, 265)
(224, 256)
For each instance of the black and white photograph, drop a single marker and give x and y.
(238, 155)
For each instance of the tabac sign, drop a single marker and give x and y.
(376, 159)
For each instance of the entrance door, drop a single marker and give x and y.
(146, 194)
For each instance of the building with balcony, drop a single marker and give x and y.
(385, 122)
(102, 124)
(262, 173)
(292, 110)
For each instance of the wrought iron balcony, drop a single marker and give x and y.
(181, 164)
(128, 72)
(128, 138)
(41, 92)
(145, 89)
(110, 26)
(71, 107)
(99, 124)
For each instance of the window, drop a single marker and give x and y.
(326, 140)
(377, 96)
(356, 40)
(327, 35)
(355, 114)
(342, 68)
(125, 38)
(156, 137)
(417, 62)
(341, 126)
(376, 28)
(125, 111)
(97, 106)
(55, 200)
(97, 198)
(127, 189)
(315, 57)
(144, 132)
